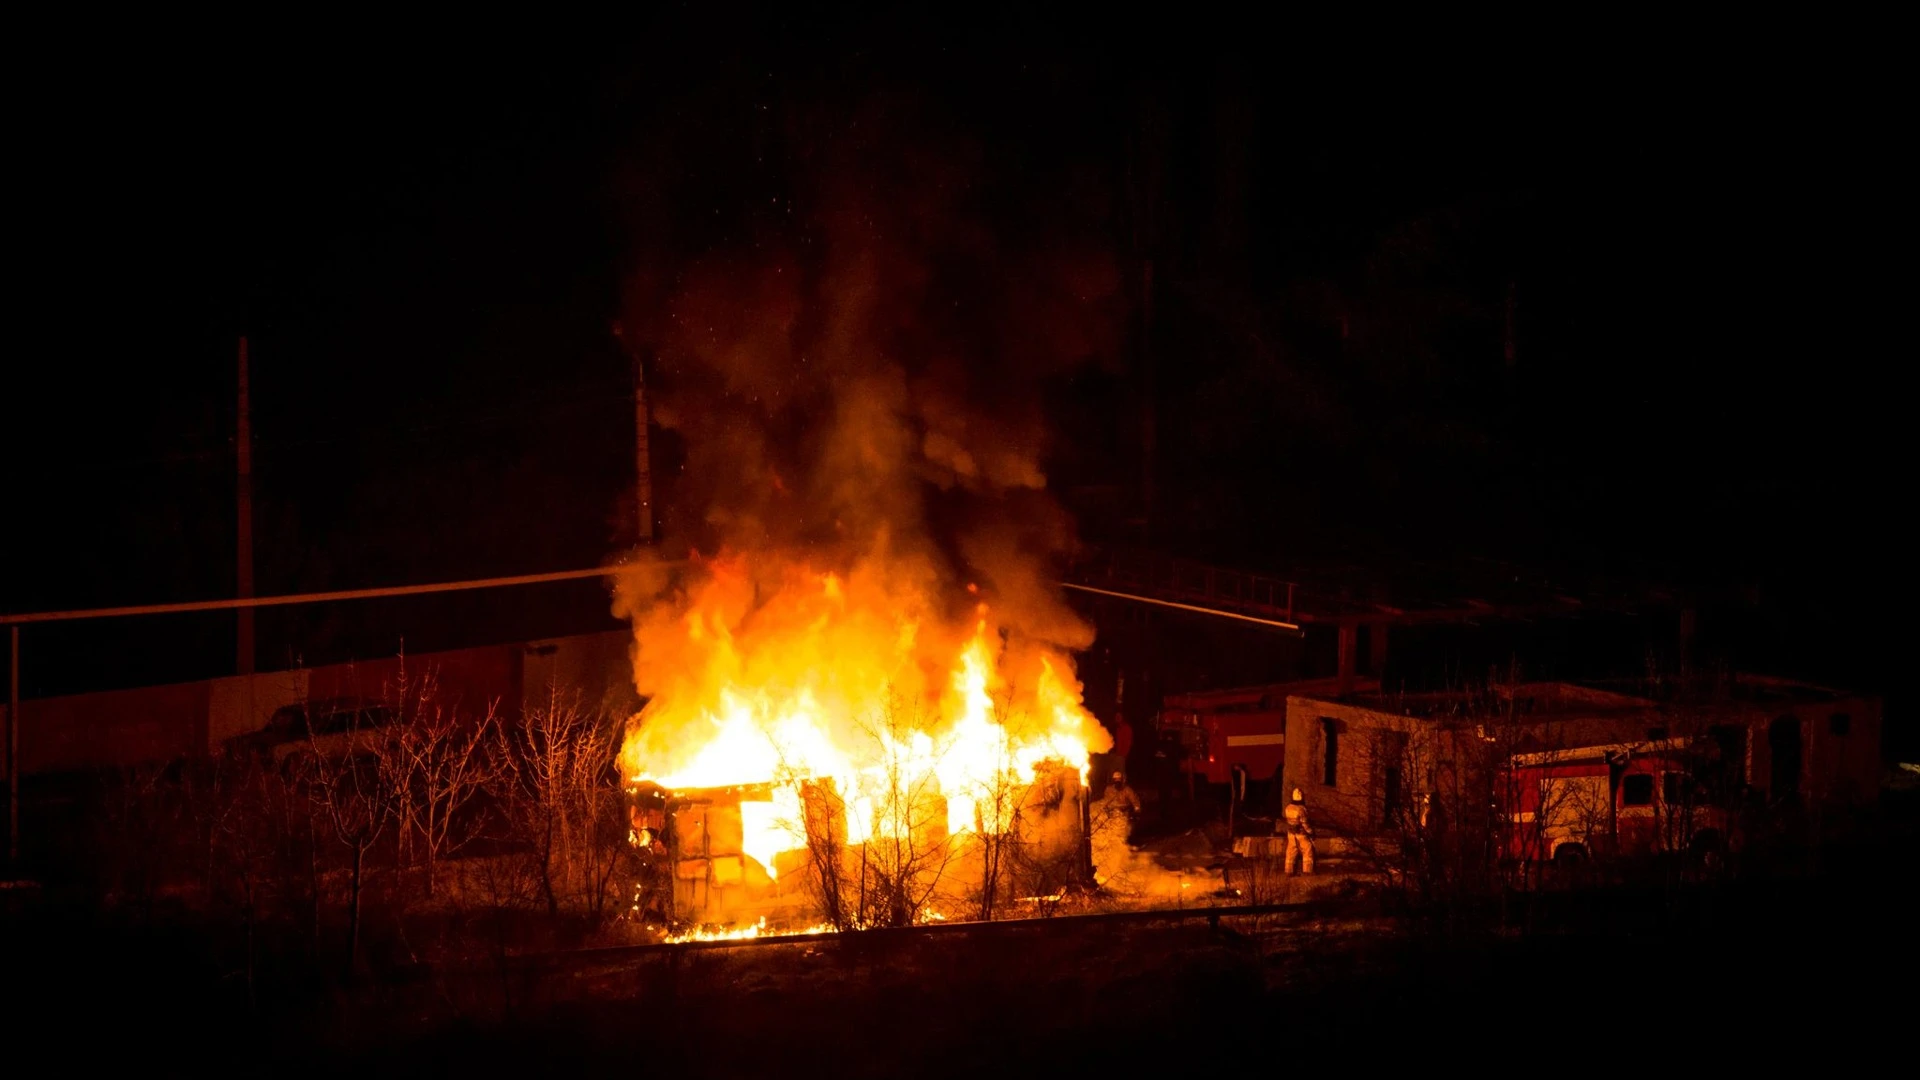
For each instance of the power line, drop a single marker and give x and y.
(26, 618)
(1196, 609)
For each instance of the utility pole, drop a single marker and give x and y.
(642, 461)
(1150, 413)
(1146, 159)
(13, 747)
(642, 457)
(1509, 351)
(243, 503)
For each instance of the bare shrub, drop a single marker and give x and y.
(353, 790)
(907, 852)
(439, 761)
(557, 790)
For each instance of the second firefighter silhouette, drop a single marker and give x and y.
(1299, 834)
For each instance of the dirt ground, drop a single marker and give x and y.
(1716, 982)
(1754, 973)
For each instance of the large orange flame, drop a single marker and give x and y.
(761, 670)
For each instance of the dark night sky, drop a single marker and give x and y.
(427, 242)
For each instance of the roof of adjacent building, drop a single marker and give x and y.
(1594, 699)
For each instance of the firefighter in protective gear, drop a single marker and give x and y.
(1110, 826)
(1299, 834)
(1124, 798)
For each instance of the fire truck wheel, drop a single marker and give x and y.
(297, 767)
(1570, 854)
(1707, 849)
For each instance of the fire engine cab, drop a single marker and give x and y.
(1218, 729)
(1212, 731)
(1626, 798)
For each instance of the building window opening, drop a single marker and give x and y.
(1636, 790)
(1330, 752)
(1673, 788)
(1783, 742)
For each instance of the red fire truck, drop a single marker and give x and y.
(1211, 731)
(1215, 730)
(1625, 798)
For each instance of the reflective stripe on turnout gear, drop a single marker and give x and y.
(1296, 817)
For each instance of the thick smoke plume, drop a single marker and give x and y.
(854, 373)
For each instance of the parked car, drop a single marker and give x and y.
(331, 728)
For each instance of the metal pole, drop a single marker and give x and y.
(1086, 834)
(13, 747)
(642, 458)
(1349, 645)
(243, 505)
(1509, 351)
(1149, 417)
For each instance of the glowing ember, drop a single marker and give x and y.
(745, 933)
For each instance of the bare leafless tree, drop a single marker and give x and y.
(1447, 817)
(253, 810)
(907, 852)
(138, 842)
(439, 762)
(879, 853)
(997, 803)
(1045, 853)
(997, 799)
(559, 789)
(352, 789)
(823, 831)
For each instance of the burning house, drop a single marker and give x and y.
(858, 670)
(699, 856)
(796, 855)
(838, 725)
